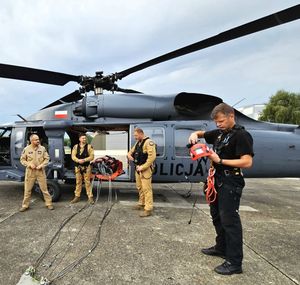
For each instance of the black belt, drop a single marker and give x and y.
(230, 172)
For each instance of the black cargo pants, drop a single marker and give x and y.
(226, 218)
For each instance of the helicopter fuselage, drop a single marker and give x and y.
(276, 146)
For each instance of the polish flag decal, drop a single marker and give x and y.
(61, 114)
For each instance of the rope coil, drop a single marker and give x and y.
(210, 191)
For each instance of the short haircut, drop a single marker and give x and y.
(32, 135)
(81, 135)
(139, 130)
(221, 108)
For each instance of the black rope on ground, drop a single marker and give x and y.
(192, 214)
(272, 264)
(187, 195)
(72, 265)
(62, 225)
(70, 243)
(82, 226)
(55, 238)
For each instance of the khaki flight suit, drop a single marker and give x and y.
(144, 178)
(39, 157)
(84, 172)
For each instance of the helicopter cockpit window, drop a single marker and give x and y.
(19, 142)
(67, 144)
(181, 140)
(40, 132)
(67, 150)
(158, 136)
(5, 146)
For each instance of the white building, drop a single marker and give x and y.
(252, 111)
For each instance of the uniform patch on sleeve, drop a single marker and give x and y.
(151, 143)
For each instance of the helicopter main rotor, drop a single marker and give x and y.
(101, 82)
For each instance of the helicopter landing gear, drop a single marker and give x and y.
(53, 189)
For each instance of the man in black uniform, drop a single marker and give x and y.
(233, 150)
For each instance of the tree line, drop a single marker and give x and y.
(283, 107)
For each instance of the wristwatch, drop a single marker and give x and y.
(220, 161)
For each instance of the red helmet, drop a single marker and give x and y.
(199, 150)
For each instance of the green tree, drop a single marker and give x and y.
(67, 142)
(283, 107)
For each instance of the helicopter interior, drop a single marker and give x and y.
(114, 141)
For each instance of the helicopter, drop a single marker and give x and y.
(110, 119)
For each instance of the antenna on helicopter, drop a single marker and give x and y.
(238, 102)
(21, 117)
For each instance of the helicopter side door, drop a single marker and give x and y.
(183, 168)
(158, 133)
(19, 139)
(173, 162)
(12, 146)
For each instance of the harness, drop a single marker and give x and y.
(82, 167)
(221, 142)
(138, 155)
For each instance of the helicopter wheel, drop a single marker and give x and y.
(53, 189)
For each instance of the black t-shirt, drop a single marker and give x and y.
(236, 144)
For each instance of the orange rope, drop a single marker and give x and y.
(107, 177)
(210, 191)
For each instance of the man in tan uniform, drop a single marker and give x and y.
(82, 155)
(35, 158)
(143, 154)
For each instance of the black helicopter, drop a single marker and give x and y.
(168, 120)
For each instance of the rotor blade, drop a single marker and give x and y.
(281, 17)
(36, 75)
(72, 97)
(128, 90)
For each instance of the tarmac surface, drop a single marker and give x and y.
(161, 249)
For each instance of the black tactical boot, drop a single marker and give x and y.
(213, 251)
(227, 268)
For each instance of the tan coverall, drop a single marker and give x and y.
(36, 156)
(83, 173)
(144, 178)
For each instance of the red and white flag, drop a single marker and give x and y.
(61, 114)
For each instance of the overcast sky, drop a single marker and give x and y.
(83, 36)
